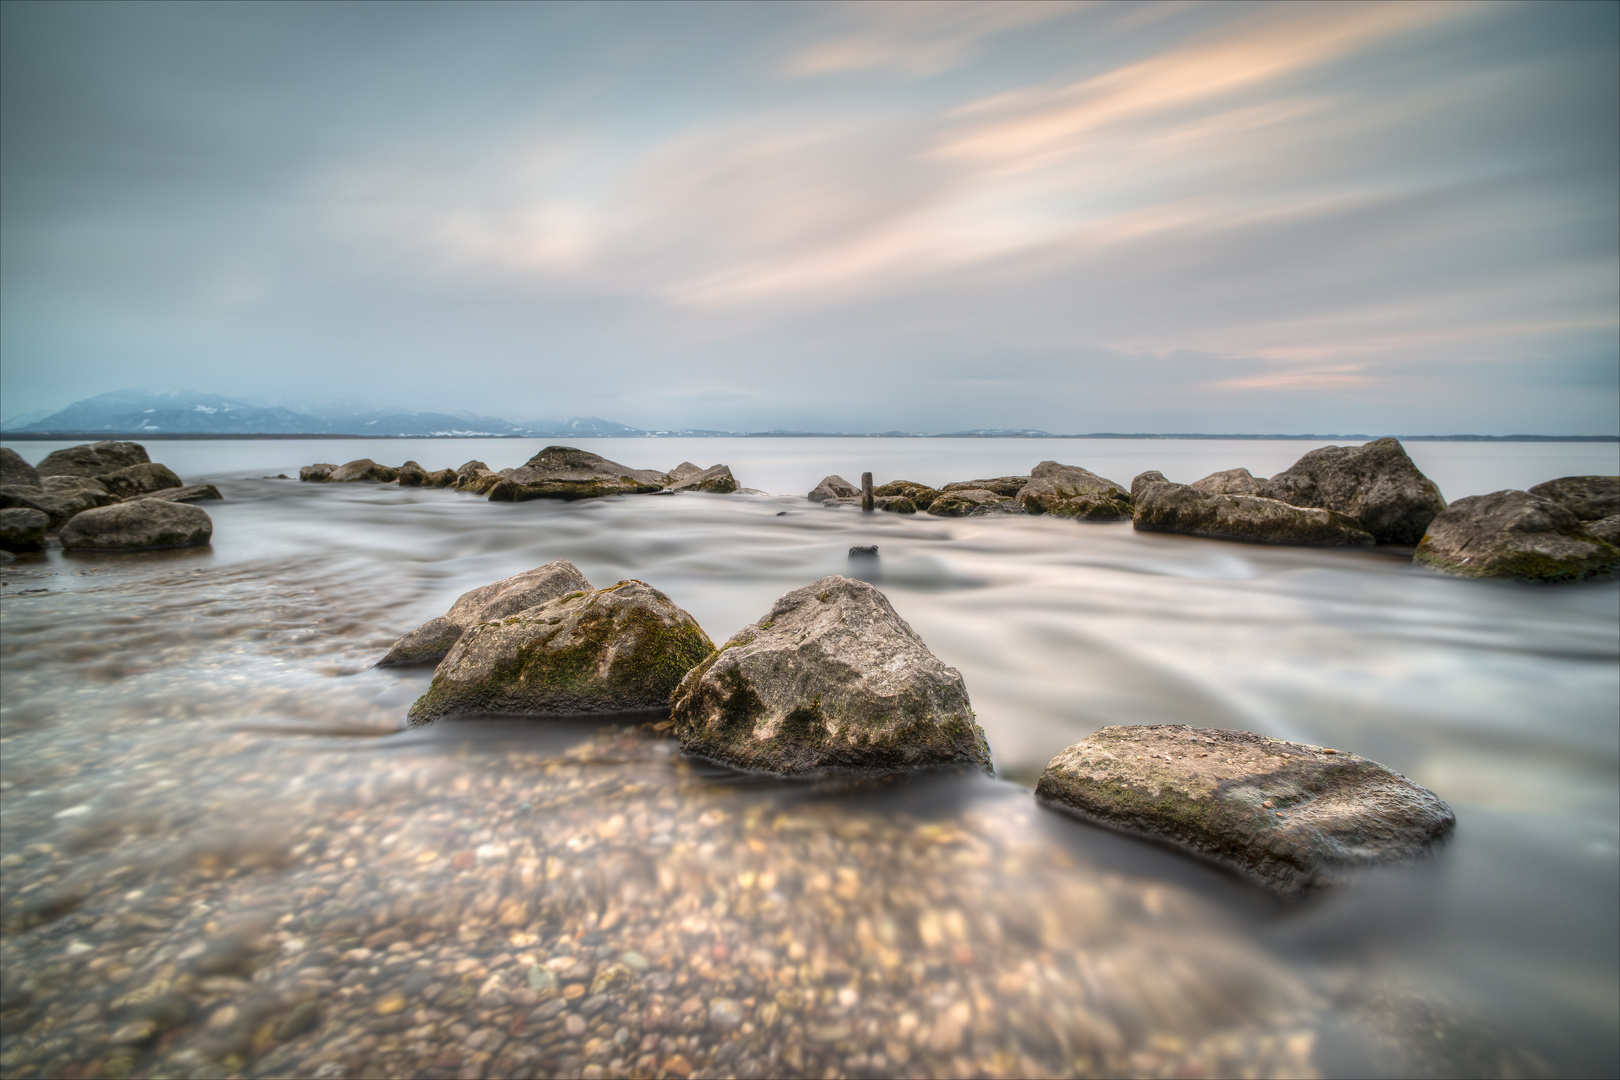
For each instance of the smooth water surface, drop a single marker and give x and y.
(223, 853)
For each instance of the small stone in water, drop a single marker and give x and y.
(725, 1014)
(1268, 804)
(574, 1025)
(393, 1003)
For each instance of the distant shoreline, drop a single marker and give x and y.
(62, 436)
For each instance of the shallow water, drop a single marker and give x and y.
(222, 852)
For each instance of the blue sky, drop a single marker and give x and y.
(1077, 217)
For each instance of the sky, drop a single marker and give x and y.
(1225, 217)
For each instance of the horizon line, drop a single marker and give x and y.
(160, 436)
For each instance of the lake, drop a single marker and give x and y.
(223, 853)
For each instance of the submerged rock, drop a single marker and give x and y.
(1376, 484)
(832, 488)
(1005, 486)
(1180, 508)
(429, 643)
(619, 649)
(1070, 491)
(831, 677)
(562, 472)
(716, 479)
(1514, 534)
(889, 504)
(22, 529)
(190, 493)
(1590, 498)
(137, 480)
(318, 473)
(363, 471)
(14, 471)
(1231, 482)
(1290, 816)
(972, 502)
(139, 525)
(921, 495)
(93, 459)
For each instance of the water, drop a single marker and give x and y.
(222, 853)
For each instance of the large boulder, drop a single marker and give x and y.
(59, 500)
(1290, 816)
(93, 459)
(620, 649)
(1606, 529)
(921, 495)
(716, 479)
(831, 677)
(363, 471)
(136, 480)
(1514, 534)
(412, 475)
(139, 525)
(1140, 482)
(14, 471)
(562, 472)
(1231, 482)
(1070, 491)
(429, 643)
(440, 478)
(1005, 486)
(972, 502)
(1590, 498)
(22, 529)
(1375, 483)
(1181, 508)
(189, 493)
(479, 483)
(684, 471)
(832, 488)
(318, 473)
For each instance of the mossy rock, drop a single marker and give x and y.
(831, 677)
(432, 641)
(1072, 492)
(93, 459)
(318, 473)
(972, 502)
(1514, 534)
(1376, 483)
(136, 480)
(563, 472)
(1290, 816)
(138, 525)
(619, 649)
(363, 471)
(1178, 508)
(921, 495)
(1590, 498)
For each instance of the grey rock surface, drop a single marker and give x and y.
(1005, 486)
(921, 495)
(479, 483)
(22, 529)
(1231, 482)
(1181, 508)
(683, 471)
(440, 478)
(1606, 529)
(1376, 484)
(619, 649)
(363, 471)
(1070, 491)
(318, 473)
(1514, 534)
(133, 481)
(1589, 498)
(831, 677)
(14, 471)
(972, 502)
(58, 503)
(1143, 479)
(716, 479)
(1289, 816)
(429, 643)
(563, 472)
(93, 459)
(412, 474)
(189, 493)
(139, 525)
(831, 488)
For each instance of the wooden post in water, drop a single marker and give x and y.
(866, 492)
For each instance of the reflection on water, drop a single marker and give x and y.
(222, 853)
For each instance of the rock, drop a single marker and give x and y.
(59, 504)
(480, 483)
(1181, 508)
(412, 475)
(1376, 484)
(893, 504)
(14, 471)
(1589, 498)
(562, 472)
(363, 470)
(833, 487)
(1606, 529)
(137, 480)
(716, 479)
(1152, 476)
(830, 677)
(1514, 534)
(93, 459)
(1070, 491)
(138, 525)
(1230, 482)
(317, 474)
(472, 468)
(190, 493)
(58, 485)
(440, 478)
(429, 643)
(22, 529)
(972, 502)
(684, 471)
(921, 495)
(1008, 486)
(618, 649)
(1290, 816)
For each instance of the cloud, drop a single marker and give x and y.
(915, 40)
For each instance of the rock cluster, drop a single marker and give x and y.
(122, 490)
(1290, 816)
